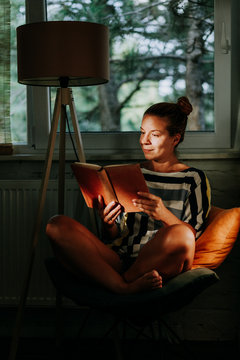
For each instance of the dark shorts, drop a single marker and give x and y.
(127, 262)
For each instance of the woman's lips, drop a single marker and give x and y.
(147, 150)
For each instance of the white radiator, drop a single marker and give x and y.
(18, 207)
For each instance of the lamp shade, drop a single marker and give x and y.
(74, 50)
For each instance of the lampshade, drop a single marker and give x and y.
(73, 50)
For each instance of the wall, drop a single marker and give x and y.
(214, 315)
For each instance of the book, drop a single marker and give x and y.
(118, 183)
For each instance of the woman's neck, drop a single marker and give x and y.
(172, 165)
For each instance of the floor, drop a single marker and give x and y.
(91, 349)
(37, 341)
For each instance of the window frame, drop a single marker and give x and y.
(126, 144)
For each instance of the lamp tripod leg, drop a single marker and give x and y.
(59, 108)
(80, 152)
(42, 197)
(61, 165)
(76, 129)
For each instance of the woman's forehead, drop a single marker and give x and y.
(153, 121)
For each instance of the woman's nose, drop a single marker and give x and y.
(145, 139)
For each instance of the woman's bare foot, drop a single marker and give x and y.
(149, 281)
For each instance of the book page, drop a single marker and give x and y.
(93, 181)
(127, 180)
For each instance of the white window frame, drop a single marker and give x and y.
(126, 144)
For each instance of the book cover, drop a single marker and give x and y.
(114, 182)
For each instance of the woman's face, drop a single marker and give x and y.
(155, 140)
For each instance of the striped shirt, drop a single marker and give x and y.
(185, 193)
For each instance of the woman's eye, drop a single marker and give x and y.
(155, 135)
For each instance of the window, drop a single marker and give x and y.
(158, 51)
(151, 82)
(18, 92)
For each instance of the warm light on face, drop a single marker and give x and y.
(155, 140)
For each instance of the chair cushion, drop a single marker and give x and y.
(176, 293)
(217, 240)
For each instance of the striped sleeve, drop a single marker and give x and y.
(197, 205)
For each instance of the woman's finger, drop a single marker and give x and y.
(112, 218)
(143, 202)
(111, 212)
(148, 195)
(112, 206)
(100, 202)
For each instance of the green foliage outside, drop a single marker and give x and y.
(153, 44)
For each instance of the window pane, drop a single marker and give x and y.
(18, 91)
(158, 52)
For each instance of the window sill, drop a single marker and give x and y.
(133, 155)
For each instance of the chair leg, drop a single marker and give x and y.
(117, 343)
(84, 321)
(155, 330)
(172, 334)
(59, 320)
(114, 330)
(174, 338)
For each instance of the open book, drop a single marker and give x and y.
(114, 182)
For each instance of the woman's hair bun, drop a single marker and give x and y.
(184, 105)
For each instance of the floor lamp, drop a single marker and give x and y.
(62, 54)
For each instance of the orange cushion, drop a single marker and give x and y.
(217, 240)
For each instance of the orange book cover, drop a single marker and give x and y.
(114, 182)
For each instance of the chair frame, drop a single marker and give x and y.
(126, 309)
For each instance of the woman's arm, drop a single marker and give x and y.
(154, 207)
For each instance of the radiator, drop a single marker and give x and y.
(18, 207)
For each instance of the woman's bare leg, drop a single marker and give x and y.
(170, 252)
(83, 253)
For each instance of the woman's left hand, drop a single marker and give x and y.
(150, 204)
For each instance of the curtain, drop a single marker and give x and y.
(5, 127)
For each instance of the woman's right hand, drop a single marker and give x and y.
(108, 213)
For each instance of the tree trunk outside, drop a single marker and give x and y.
(109, 107)
(194, 76)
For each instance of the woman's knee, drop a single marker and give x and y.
(180, 249)
(57, 226)
(181, 238)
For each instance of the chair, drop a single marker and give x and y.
(143, 309)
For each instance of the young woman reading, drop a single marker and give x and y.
(157, 243)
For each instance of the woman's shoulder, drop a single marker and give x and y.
(194, 170)
(177, 168)
(182, 171)
(198, 175)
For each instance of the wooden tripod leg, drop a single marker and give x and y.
(61, 165)
(80, 151)
(42, 198)
(76, 127)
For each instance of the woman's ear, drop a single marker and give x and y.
(176, 139)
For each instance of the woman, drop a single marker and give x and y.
(156, 243)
